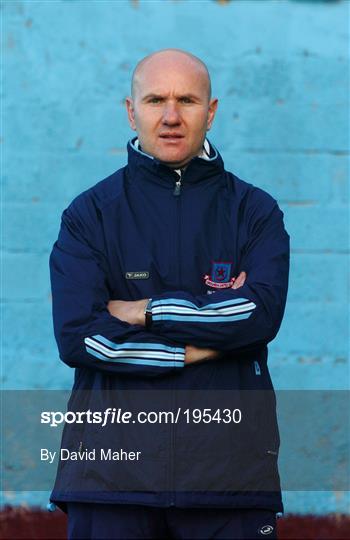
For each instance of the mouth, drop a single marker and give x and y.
(171, 137)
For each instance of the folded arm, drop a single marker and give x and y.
(235, 319)
(134, 313)
(86, 333)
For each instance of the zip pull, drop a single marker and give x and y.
(177, 189)
(257, 367)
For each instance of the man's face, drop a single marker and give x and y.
(170, 109)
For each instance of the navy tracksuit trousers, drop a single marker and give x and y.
(113, 522)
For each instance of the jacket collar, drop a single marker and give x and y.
(205, 154)
(146, 167)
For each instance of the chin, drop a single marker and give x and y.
(172, 158)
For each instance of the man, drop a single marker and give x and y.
(171, 274)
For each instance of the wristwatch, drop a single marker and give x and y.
(148, 314)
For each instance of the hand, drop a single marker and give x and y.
(132, 312)
(195, 354)
(239, 281)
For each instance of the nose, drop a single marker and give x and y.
(171, 115)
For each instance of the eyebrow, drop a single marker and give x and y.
(160, 96)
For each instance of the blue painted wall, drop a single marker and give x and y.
(280, 71)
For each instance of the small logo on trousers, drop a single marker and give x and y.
(266, 529)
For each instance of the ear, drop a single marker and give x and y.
(131, 112)
(213, 105)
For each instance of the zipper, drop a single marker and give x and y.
(176, 193)
(172, 454)
(178, 184)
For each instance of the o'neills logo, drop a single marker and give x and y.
(266, 529)
(220, 276)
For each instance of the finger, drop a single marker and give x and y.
(239, 282)
(242, 279)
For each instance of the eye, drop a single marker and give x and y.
(186, 99)
(154, 100)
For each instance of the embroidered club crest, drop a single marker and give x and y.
(220, 276)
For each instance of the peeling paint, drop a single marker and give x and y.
(10, 42)
(117, 150)
(309, 359)
(79, 142)
(338, 495)
(301, 203)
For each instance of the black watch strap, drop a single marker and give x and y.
(148, 314)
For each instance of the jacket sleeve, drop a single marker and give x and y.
(86, 334)
(242, 318)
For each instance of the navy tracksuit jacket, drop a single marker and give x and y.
(146, 232)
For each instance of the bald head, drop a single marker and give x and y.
(170, 59)
(171, 107)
